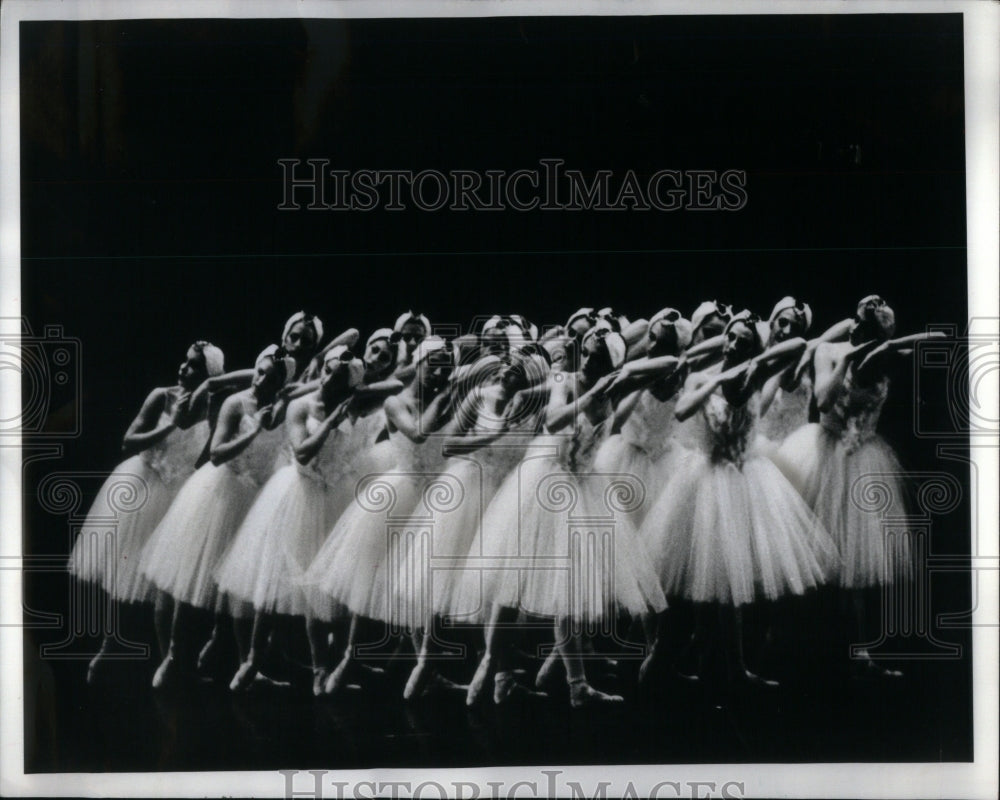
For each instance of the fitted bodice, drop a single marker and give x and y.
(257, 460)
(173, 457)
(788, 411)
(856, 411)
(726, 431)
(650, 424)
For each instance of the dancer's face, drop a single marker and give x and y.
(738, 345)
(713, 325)
(495, 342)
(874, 320)
(594, 360)
(266, 379)
(662, 340)
(513, 376)
(192, 370)
(411, 334)
(334, 375)
(786, 325)
(378, 357)
(435, 371)
(301, 339)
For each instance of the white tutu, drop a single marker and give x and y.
(729, 528)
(110, 543)
(187, 546)
(288, 523)
(550, 544)
(835, 483)
(359, 564)
(788, 412)
(645, 449)
(851, 478)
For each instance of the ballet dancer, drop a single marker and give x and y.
(187, 546)
(165, 439)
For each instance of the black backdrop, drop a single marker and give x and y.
(150, 184)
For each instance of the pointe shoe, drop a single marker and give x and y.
(505, 686)
(338, 678)
(209, 655)
(417, 681)
(582, 695)
(748, 678)
(483, 672)
(439, 684)
(867, 669)
(648, 666)
(94, 668)
(166, 673)
(320, 676)
(244, 676)
(262, 681)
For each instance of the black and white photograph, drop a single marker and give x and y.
(499, 399)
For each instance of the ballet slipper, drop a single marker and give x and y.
(262, 681)
(547, 674)
(505, 686)
(483, 672)
(209, 655)
(166, 673)
(865, 668)
(582, 695)
(95, 665)
(244, 676)
(649, 663)
(417, 681)
(338, 678)
(440, 684)
(750, 679)
(319, 680)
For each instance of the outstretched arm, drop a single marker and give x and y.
(835, 333)
(831, 370)
(876, 359)
(237, 379)
(563, 406)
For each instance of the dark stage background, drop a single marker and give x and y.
(149, 191)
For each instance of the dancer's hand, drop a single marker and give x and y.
(182, 403)
(263, 416)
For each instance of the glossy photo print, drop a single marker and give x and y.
(501, 400)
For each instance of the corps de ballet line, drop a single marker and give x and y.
(602, 469)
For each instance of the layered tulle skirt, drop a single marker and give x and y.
(734, 534)
(618, 456)
(188, 545)
(431, 560)
(278, 540)
(852, 491)
(358, 565)
(127, 509)
(557, 544)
